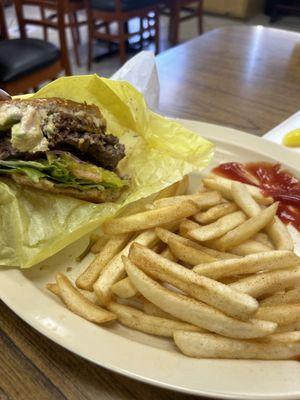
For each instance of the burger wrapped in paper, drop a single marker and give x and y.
(60, 146)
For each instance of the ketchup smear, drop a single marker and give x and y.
(273, 181)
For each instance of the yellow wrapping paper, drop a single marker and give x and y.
(34, 225)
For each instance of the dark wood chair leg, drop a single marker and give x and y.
(45, 30)
(200, 17)
(175, 15)
(77, 30)
(90, 40)
(74, 38)
(157, 32)
(107, 31)
(122, 42)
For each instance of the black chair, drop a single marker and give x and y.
(25, 63)
(101, 13)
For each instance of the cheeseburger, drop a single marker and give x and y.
(60, 146)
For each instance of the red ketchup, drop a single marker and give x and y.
(273, 181)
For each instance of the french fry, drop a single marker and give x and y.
(169, 191)
(136, 319)
(92, 272)
(214, 213)
(207, 345)
(244, 199)
(182, 186)
(167, 253)
(53, 288)
(247, 229)
(223, 186)
(150, 219)
(176, 189)
(268, 261)
(249, 247)
(282, 314)
(280, 235)
(201, 288)
(288, 328)
(100, 243)
(283, 337)
(290, 297)
(165, 235)
(268, 282)
(276, 229)
(194, 312)
(203, 200)
(217, 228)
(187, 225)
(263, 238)
(152, 309)
(114, 271)
(124, 289)
(80, 305)
(188, 254)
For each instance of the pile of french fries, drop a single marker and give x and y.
(214, 270)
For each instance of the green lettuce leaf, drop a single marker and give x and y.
(66, 171)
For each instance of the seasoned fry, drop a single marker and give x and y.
(223, 186)
(270, 260)
(100, 243)
(244, 199)
(247, 229)
(187, 225)
(288, 328)
(217, 228)
(268, 282)
(201, 288)
(79, 305)
(140, 321)
(193, 311)
(92, 272)
(124, 289)
(151, 309)
(282, 314)
(214, 213)
(167, 253)
(53, 288)
(166, 235)
(203, 200)
(189, 254)
(284, 337)
(280, 235)
(264, 239)
(182, 186)
(150, 219)
(207, 345)
(249, 247)
(290, 297)
(169, 191)
(114, 271)
(276, 229)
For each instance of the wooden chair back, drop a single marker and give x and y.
(57, 6)
(3, 26)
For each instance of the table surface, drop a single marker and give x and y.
(248, 78)
(243, 77)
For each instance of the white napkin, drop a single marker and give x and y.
(141, 72)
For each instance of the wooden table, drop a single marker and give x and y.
(243, 77)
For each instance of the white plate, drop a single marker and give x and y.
(140, 356)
